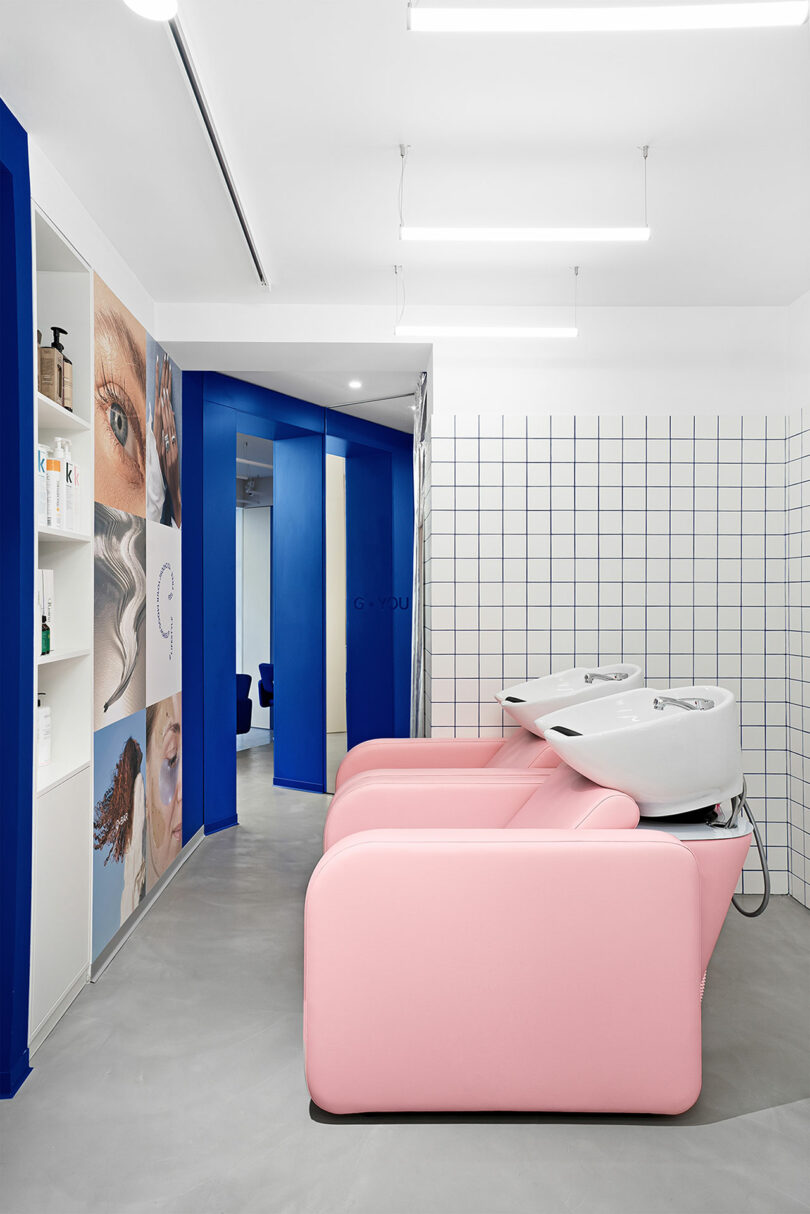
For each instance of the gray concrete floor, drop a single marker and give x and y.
(253, 737)
(176, 1082)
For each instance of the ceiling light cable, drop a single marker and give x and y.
(399, 295)
(404, 149)
(645, 151)
(576, 281)
(520, 235)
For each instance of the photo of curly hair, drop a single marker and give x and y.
(112, 822)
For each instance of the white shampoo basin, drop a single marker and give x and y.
(670, 759)
(525, 702)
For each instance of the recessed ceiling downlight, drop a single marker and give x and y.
(154, 10)
(355, 384)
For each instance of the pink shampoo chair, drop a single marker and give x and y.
(522, 750)
(507, 940)
(542, 798)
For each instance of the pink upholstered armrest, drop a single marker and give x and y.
(417, 752)
(428, 799)
(503, 970)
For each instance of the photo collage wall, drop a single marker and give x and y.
(137, 645)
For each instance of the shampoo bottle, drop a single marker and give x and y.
(52, 369)
(54, 491)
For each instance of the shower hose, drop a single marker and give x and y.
(766, 876)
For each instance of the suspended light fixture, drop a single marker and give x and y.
(540, 332)
(619, 18)
(527, 235)
(525, 332)
(154, 10)
(551, 235)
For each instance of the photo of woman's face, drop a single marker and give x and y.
(164, 786)
(119, 405)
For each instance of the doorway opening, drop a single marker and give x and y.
(254, 633)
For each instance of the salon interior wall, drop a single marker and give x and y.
(335, 594)
(628, 501)
(154, 680)
(797, 469)
(253, 598)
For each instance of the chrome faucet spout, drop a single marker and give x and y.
(617, 676)
(695, 704)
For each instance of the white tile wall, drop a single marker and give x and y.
(553, 541)
(798, 652)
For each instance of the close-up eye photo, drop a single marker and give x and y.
(405, 787)
(119, 416)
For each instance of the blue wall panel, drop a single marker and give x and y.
(299, 623)
(379, 534)
(379, 549)
(402, 548)
(219, 618)
(193, 642)
(370, 602)
(16, 599)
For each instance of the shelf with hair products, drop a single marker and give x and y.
(62, 641)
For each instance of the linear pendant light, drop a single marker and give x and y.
(507, 331)
(624, 18)
(527, 235)
(518, 235)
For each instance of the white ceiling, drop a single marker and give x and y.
(320, 372)
(311, 100)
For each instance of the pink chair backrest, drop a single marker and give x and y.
(567, 801)
(524, 750)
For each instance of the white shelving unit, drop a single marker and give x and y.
(63, 797)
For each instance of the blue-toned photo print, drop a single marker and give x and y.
(119, 826)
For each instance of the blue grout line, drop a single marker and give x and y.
(757, 569)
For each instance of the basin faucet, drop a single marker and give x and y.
(616, 677)
(696, 704)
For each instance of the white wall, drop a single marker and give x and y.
(651, 361)
(54, 197)
(335, 594)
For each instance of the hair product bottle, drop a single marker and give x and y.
(60, 454)
(54, 491)
(42, 491)
(70, 494)
(52, 369)
(46, 606)
(43, 732)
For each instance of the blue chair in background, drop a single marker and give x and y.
(244, 704)
(266, 684)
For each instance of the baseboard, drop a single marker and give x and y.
(218, 826)
(11, 1081)
(120, 938)
(300, 785)
(56, 1013)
